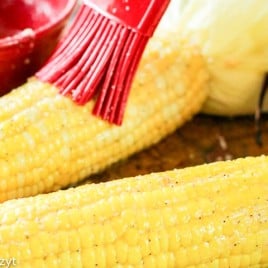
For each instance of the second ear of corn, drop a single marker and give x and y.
(209, 216)
(48, 142)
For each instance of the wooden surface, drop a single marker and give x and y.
(203, 139)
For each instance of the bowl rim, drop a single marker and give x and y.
(70, 6)
(15, 39)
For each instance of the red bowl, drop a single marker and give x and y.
(29, 31)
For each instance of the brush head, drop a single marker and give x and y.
(100, 54)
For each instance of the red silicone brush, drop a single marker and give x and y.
(99, 55)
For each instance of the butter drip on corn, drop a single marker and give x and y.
(212, 215)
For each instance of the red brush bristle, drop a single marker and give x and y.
(97, 58)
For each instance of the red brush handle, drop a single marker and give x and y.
(141, 15)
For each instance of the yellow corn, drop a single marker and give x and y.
(48, 142)
(214, 215)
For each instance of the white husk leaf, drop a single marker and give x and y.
(233, 36)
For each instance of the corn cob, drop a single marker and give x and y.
(48, 142)
(214, 215)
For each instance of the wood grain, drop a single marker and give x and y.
(204, 139)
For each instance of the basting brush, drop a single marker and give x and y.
(100, 53)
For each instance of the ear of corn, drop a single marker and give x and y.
(48, 142)
(212, 215)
